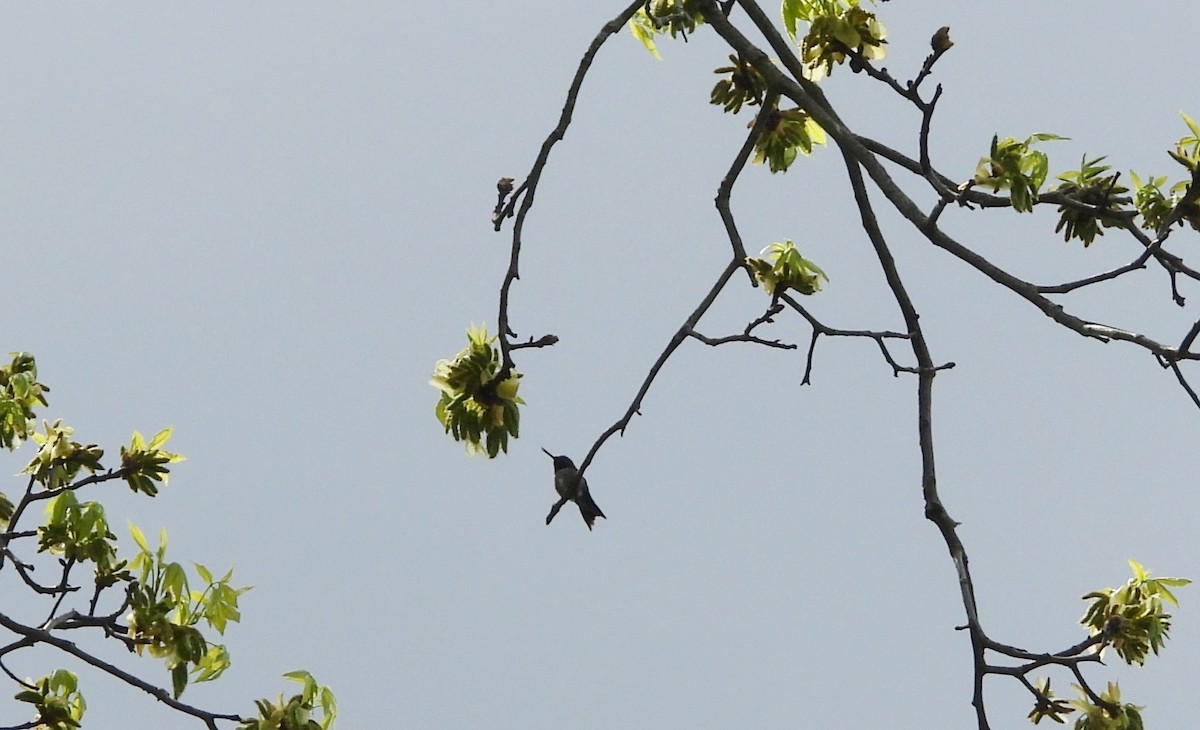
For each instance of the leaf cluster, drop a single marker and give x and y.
(837, 29)
(1015, 166)
(1092, 188)
(20, 393)
(56, 700)
(1183, 198)
(295, 713)
(147, 463)
(1108, 714)
(59, 459)
(744, 85)
(784, 268)
(1131, 618)
(664, 17)
(479, 403)
(1048, 705)
(1152, 204)
(785, 134)
(1097, 199)
(164, 612)
(1187, 149)
(79, 533)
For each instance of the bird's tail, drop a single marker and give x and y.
(589, 509)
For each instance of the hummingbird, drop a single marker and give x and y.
(572, 488)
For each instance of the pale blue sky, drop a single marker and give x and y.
(263, 224)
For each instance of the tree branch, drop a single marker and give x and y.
(527, 189)
(45, 637)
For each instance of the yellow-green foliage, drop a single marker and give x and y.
(836, 29)
(478, 403)
(1090, 186)
(784, 268)
(1131, 617)
(786, 133)
(1015, 166)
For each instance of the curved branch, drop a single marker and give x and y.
(724, 209)
(935, 510)
(680, 335)
(527, 189)
(819, 328)
(725, 189)
(40, 636)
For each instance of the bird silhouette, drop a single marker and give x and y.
(572, 488)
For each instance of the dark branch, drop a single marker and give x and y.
(680, 335)
(714, 341)
(526, 191)
(41, 636)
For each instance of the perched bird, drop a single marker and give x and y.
(940, 42)
(572, 488)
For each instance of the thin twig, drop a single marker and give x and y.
(714, 341)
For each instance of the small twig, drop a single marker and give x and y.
(24, 569)
(767, 317)
(1066, 287)
(944, 191)
(22, 643)
(820, 328)
(714, 341)
(1095, 698)
(940, 42)
(1183, 381)
(1175, 295)
(1190, 337)
(859, 62)
(543, 341)
(1063, 657)
(63, 587)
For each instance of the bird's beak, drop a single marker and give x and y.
(547, 453)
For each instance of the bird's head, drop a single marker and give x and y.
(560, 462)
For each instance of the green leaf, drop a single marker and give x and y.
(792, 11)
(212, 665)
(1191, 124)
(175, 581)
(160, 438)
(1044, 137)
(179, 680)
(642, 28)
(1173, 581)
